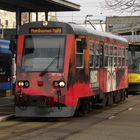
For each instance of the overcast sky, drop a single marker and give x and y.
(88, 7)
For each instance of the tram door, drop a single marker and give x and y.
(80, 62)
(94, 65)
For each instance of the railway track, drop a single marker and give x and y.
(61, 129)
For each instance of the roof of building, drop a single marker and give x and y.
(38, 5)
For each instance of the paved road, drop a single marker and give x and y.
(6, 107)
(123, 124)
(119, 122)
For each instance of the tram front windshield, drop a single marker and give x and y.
(41, 52)
(134, 59)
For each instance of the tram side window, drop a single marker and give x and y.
(91, 54)
(101, 54)
(123, 56)
(79, 54)
(126, 56)
(97, 58)
(115, 56)
(119, 56)
(106, 55)
(110, 55)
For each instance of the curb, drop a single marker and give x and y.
(7, 117)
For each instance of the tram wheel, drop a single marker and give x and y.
(104, 100)
(123, 95)
(110, 99)
(117, 97)
(83, 107)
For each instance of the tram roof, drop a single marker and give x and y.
(38, 5)
(70, 28)
(83, 30)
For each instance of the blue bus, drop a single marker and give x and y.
(5, 68)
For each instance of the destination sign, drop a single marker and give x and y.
(45, 30)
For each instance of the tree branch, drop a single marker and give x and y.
(124, 5)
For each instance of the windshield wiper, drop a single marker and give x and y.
(46, 69)
(56, 57)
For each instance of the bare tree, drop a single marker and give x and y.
(124, 5)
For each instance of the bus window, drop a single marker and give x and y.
(79, 54)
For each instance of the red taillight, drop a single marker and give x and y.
(40, 83)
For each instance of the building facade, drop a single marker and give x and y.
(127, 26)
(7, 19)
(123, 24)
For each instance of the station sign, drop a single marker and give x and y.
(45, 30)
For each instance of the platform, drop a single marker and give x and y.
(7, 109)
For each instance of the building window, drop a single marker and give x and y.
(6, 23)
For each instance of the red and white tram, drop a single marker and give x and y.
(64, 68)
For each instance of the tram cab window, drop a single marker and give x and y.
(79, 54)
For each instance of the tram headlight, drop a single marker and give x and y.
(20, 84)
(60, 84)
(56, 83)
(23, 84)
